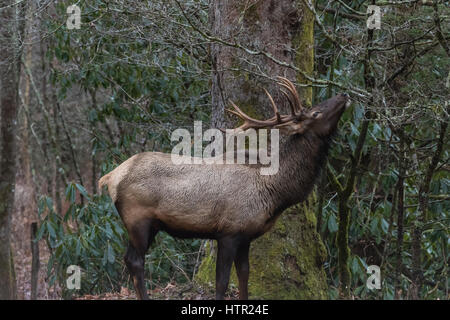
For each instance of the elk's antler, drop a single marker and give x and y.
(296, 105)
(277, 120)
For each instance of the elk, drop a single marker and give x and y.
(231, 203)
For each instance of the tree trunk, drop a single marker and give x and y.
(286, 263)
(9, 106)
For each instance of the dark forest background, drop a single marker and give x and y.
(76, 103)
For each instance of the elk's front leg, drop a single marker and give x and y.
(226, 250)
(141, 237)
(242, 268)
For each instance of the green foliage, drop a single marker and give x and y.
(412, 109)
(172, 260)
(152, 86)
(88, 235)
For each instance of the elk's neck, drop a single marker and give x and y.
(301, 159)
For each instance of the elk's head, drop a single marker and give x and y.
(321, 119)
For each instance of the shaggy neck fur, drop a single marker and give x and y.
(301, 158)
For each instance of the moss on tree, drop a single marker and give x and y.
(304, 58)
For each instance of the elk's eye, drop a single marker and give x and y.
(316, 114)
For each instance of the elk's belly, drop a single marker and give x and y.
(187, 224)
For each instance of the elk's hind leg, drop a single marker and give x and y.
(226, 251)
(141, 236)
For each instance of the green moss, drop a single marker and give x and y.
(287, 262)
(303, 40)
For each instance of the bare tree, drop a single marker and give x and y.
(9, 106)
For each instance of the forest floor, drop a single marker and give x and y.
(170, 292)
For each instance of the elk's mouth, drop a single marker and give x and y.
(333, 109)
(340, 104)
(345, 99)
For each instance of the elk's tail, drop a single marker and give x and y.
(112, 179)
(103, 182)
